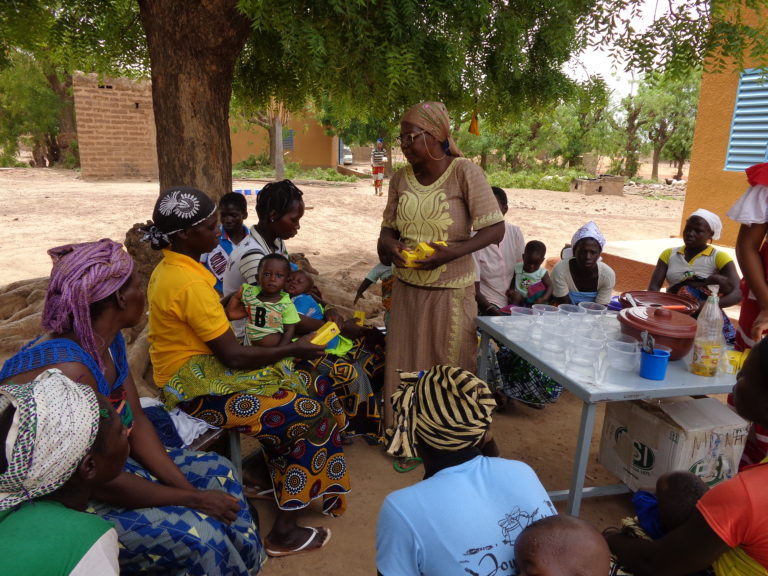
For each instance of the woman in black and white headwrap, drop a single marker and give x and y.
(204, 370)
(59, 442)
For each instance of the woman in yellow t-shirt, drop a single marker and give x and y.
(205, 371)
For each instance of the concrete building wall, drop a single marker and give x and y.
(117, 138)
(710, 186)
(312, 146)
(115, 128)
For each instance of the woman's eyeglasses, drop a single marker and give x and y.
(408, 139)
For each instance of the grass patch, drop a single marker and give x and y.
(558, 180)
(258, 167)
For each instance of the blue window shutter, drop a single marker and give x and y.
(288, 140)
(748, 144)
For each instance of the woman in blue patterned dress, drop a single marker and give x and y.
(177, 512)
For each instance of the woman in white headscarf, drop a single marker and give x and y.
(583, 277)
(690, 268)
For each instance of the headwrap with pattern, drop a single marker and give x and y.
(81, 275)
(179, 208)
(53, 427)
(447, 408)
(433, 117)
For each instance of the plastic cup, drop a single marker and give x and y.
(520, 323)
(654, 366)
(592, 308)
(622, 355)
(583, 357)
(544, 308)
(570, 309)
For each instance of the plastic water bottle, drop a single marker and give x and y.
(708, 345)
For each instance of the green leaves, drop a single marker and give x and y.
(28, 106)
(683, 35)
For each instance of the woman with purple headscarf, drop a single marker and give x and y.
(439, 199)
(93, 294)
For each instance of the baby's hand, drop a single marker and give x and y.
(235, 308)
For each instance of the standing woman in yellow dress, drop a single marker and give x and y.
(439, 197)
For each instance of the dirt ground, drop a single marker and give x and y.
(44, 208)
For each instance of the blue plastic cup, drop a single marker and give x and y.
(654, 366)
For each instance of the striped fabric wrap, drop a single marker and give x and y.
(447, 408)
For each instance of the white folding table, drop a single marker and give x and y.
(616, 386)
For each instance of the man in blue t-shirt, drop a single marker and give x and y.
(466, 514)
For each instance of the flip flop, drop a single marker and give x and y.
(258, 493)
(406, 464)
(277, 551)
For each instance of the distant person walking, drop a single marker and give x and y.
(378, 159)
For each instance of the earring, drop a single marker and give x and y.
(271, 219)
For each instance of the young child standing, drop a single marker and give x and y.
(531, 283)
(233, 210)
(271, 316)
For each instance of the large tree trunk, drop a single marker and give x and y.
(193, 46)
(277, 147)
(680, 164)
(62, 86)
(272, 138)
(656, 158)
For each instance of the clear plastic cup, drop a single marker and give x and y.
(542, 309)
(519, 325)
(570, 309)
(550, 321)
(552, 346)
(623, 355)
(593, 308)
(583, 357)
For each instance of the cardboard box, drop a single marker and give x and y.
(642, 440)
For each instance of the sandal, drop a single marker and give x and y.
(258, 493)
(406, 464)
(277, 551)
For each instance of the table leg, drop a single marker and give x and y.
(575, 493)
(482, 363)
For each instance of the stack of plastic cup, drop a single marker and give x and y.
(584, 357)
(593, 308)
(521, 323)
